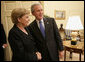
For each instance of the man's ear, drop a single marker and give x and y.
(33, 13)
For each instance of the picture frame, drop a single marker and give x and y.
(59, 15)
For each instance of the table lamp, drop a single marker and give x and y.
(74, 24)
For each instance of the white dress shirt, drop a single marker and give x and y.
(39, 23)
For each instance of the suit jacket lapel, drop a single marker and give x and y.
(37, 30)
(46, 23)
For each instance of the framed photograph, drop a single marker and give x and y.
(59, 15)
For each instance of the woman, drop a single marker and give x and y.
(20, 40)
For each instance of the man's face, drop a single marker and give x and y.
(38, 12)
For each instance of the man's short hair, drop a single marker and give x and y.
(32, 7)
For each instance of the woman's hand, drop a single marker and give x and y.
(39, 55)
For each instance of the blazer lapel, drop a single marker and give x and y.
(46, 23)
(37, 30)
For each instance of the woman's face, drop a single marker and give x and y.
(24, 20)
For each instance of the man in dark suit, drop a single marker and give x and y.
(45, 31)
(3, 43)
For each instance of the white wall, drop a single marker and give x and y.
(71, 8)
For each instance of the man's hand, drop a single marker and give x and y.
(61, 54)
(4, 45)
(39, 55)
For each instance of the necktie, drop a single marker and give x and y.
(42, 29)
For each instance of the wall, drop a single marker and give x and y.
(71, 8)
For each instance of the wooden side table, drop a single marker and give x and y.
(73, 48)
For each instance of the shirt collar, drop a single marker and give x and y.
(38, 20)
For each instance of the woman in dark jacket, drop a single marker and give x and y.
(20, 39)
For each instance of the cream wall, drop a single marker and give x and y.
(71, 8)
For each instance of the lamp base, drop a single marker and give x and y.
(73, 42)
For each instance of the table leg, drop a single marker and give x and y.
(65, 55)
(80, 57)
(71, 55)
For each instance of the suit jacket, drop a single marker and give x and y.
(22, 45)
(2, 41)
(2, 36)
(52, 43)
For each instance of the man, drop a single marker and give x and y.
(48, 42)
(3, 43)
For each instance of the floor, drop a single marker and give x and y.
(75, 57)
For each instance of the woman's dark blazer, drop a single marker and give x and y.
(22, 45)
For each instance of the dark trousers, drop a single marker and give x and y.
(46, 56)
(1, 54)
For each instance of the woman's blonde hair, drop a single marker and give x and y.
(18, 13)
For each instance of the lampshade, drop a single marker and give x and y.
(74, 23)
